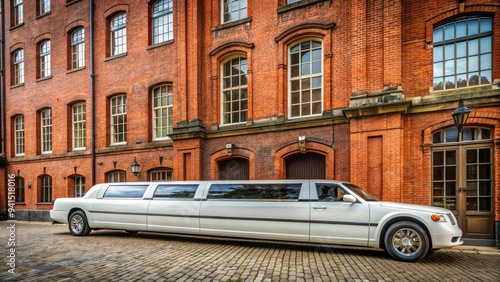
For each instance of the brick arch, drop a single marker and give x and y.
(476, 118)
(311, 147)
(222, 155)
(467, 10)
(116, 9)
(74, 25)
(16, 47)
(42, 37)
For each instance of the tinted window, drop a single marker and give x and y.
(175, 191)
(255, 191)
(125, 191)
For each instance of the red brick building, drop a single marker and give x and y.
(361, 91)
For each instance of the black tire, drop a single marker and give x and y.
(406, 241)
(78, 225)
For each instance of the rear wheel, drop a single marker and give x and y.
(78, 225)
(406, 241)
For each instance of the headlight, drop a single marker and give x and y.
(438, 218)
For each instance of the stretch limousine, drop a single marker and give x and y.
(315, 211)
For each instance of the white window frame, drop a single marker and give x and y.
(79, 186)
(230, 104)
(18, 12)
(44, 7)
(46, 131)
(45, 70)
(301, 79)
(162, 21)
(78, 48)
(117, 176)
(18, 59)
(118, 112)
(118, 28)
(227, 8)
(161, 175)
(19, 136)
(162, 102)
(79, 123)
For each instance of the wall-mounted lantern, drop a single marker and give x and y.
(135, 167)
(460, 115)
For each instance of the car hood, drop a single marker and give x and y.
(411, 207)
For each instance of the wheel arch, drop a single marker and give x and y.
(391, 221)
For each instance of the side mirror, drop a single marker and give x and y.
(349, 199)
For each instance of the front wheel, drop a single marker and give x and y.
(78, 225)
(406, 241)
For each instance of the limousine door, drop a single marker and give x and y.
(257, 210)
(175, 208)
(334, 221)
(120, 206)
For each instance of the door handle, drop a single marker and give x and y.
(319, 208)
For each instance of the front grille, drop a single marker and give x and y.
(452, 219)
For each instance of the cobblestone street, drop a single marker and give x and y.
(45, 252)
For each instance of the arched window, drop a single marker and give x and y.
(235, 91)
(119, 34)
(467, 134)
(162, 111)
(45, 59)
(45, 189)
(78, 48)
(162, 21)
(117, 176)
(161, 174)
(46, 131)
(305, 79)
(79, 186)
(18, 59)
(463, 53)
(19, 181)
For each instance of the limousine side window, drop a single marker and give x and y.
(255, 191)
(175, 191)
(125, 191)
(329, 192)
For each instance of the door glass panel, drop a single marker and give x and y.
(444, 179)
(479, 180)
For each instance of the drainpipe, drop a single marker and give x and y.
(92, 92)
(3, 130)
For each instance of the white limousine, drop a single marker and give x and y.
(314, 211)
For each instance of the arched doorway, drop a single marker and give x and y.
(462, 178)
(306, 166)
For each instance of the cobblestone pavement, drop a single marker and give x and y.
(45, 252)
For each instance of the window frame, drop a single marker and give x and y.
(459, 46)
(20, 191)
(118, 34)
(241, 87)
(43, 7)
(108, 194)
(79, 126)
(46, 131)
(166, 95)
(260, 191)
(77, 43)
(18, 12)
(190, 189)
(79, 186)
(169, 173)
(45, 59)
(300, 78)
(45, 189)
(18, 65)
(240, 8)
(19, 140)
(168, 22)
(121, 176)
(118, 137)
